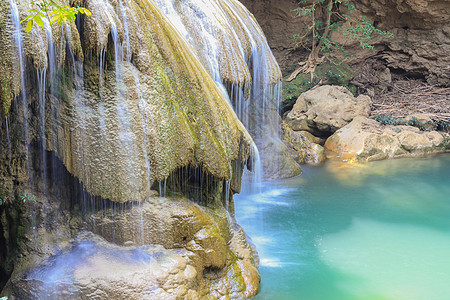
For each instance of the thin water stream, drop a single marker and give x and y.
(379, 230)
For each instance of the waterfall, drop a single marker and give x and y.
(222, 35)
(147, 104)
(142, 103)
(249, 75)
(18, 40)
(41, 77)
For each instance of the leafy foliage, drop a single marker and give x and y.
(424, 126)
(27, 197)
(53, 12)
(326, 17)
(360, 29)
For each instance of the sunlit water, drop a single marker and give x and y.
(345, 231)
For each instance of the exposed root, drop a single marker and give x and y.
(306, 67)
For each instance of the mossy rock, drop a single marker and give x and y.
(330, 72)
(293, 89)
(335, 73)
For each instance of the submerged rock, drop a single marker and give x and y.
(325, 109)
(367, 139)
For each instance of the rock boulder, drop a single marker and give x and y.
(303, 146)
(325, 109)
(366, 139)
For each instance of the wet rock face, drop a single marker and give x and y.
(93, 268)
(172, 223)
(164, 248)
(136, 108)
(128, 108)
(279, 163)
(421, 28)
(325, 109)
(303, 146)
(207, 254)
(367, 139)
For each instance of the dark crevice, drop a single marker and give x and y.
(195, 184)
(212, 273)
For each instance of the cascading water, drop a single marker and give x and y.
(251, 79)
(18, 41)
(41, 77)
(121, 105)
(142, 103)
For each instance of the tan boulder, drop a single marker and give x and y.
(366, 139)
(323, 110)
(163, 248)
(302, 146)
(279, 163)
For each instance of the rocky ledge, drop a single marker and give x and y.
(345, 130)
(367, 139)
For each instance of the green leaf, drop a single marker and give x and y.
(38, 20)
(54, 19)
(29, 17)
(29, 25)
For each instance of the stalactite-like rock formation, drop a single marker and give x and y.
(117, 133)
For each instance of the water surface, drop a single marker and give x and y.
(379, 230)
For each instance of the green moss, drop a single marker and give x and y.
(6, 91)
(293, 89)
(335, 73)
(330, 72)
(63, 85)
(189, 121)
(20, 232)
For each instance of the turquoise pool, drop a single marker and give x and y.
(379, 230)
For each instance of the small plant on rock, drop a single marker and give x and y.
(388, 120)
(3, 201)
(424, 126)
(53, 12)
(28, 198)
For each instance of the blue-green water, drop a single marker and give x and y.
(379, 230)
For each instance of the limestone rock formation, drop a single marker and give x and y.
(303, 146)
(99, 113)
(367, 139)
(280, 24)
(422, 36)
(165, 248)
(279, 163)
(234, 50)
(325, 109)
(123, 123)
